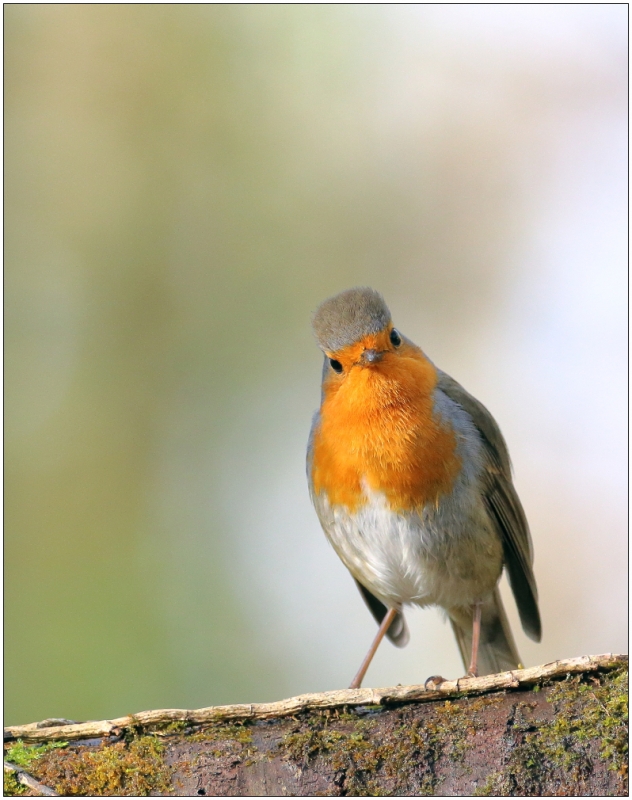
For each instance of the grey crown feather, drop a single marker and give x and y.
(349, 316)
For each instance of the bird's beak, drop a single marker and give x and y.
(371, 357)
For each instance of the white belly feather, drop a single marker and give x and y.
(422, 558)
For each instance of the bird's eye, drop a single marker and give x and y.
(396, 339)
(335, 365)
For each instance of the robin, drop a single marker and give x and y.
(411, 480)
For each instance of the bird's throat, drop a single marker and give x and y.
(379, 431)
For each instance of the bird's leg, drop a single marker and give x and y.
(386, 624)
(476, 637)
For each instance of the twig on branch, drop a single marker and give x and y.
(325, 700)
(28, 780)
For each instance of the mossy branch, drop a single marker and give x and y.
(559, 729)
(349, 698)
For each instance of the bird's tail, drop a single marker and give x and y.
(497, 649)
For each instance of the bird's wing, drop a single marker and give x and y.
(504, 507)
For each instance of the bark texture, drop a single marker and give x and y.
(560, 729)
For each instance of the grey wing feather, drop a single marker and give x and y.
(503, 505)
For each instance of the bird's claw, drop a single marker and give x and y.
(433, 682)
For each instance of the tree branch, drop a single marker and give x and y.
(37, 731)
(557, 729)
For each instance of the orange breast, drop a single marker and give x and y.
(377, 429)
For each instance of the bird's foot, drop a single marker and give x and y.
(433, 682)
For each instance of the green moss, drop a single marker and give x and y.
(123, 769)
(371, 758)
(177, 726)
(222, 733)
(24, 755)
(11, 785)
(344, 715)
(587, 710)
(229, 740)
(589, 718)
(302, 746)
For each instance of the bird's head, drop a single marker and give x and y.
(354, 330)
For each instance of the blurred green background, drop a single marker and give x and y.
(183, 186)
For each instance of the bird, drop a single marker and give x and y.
(411, 480)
